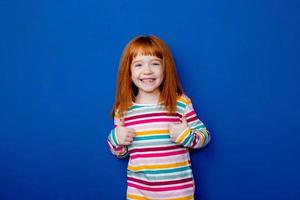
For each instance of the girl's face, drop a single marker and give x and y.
(147, 73)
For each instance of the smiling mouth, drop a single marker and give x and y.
(147, 80)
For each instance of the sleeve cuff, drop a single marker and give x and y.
(113, 138)
(181, 139)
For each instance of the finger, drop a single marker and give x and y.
(130, 130)
(171, 127)
(122, 121)
(119, 122)
(172, 137)
(130, 134)
(129, 139)
(170, 134)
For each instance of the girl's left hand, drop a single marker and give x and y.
(175, 129)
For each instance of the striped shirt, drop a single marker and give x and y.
(159, 169)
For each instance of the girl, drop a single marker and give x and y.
(155, 123)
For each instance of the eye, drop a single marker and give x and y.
(137, 65)
(156, 63)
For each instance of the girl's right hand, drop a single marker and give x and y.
(125, 135)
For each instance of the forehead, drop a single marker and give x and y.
(142, 57)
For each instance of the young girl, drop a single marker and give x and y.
(155, 123)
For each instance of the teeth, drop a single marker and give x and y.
(147, 80)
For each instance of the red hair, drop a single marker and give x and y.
(126, 91)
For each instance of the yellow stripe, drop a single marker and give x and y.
(183, 198)
(182, 136)
(184, 100)
(203, 137)
(151, 132)
(117, 115)
(164, 166)
(136, 197)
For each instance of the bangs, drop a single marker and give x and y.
(145, 46)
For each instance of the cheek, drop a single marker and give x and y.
(133, 73)
(134, 76)
(161, 75)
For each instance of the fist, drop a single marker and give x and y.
(125, 135)
(175, 129)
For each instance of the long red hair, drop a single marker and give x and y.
(126, 91)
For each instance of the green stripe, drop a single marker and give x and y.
(143, 110)
(180, 104)
(114, 137)
(163, 171)
(140, 109)
(180, 110)
(195, 123)
(200, 126)
(141, 175)
(137, 109)
(151, 137)
(134, 107)
(151, 144)
(188, 140)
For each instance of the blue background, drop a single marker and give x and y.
(237, 60)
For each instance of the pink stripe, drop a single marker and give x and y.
(190, 113)
(192, 119)
(180, 187)
(179, 115)
(152, 120)
(157, 183)
(154, 149)
(110, 145)
(158, 154)
(150, 115)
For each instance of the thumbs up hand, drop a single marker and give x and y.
(125, 135)
(175, 129)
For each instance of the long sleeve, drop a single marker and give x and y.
(195, 135)
(120, 151)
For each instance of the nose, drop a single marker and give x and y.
(147, 69)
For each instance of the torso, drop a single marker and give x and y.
(158, 167)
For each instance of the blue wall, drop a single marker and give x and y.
(237, 60)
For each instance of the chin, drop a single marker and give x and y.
(148, 90)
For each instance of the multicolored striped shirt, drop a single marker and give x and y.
(159, 169)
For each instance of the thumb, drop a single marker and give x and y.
(119, 122)
(122, 121)
(171, 125)
(184, 120)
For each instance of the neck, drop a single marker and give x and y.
(148, 98)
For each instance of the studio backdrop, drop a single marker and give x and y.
(237, 60)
